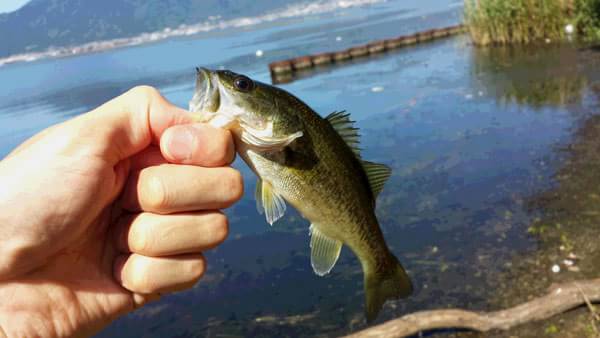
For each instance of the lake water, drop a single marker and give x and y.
(470, 135)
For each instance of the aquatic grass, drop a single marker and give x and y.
(587, 18)
(530, 21)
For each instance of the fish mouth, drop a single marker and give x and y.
(215, 105)
(206, 97)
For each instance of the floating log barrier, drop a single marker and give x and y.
(322, 59)
(410, 40)
(455, 29)
(358, 51)
(394, 43)
(283, 71)
(425, 36)
(341, 56)
(282, 67)
(302, 62)
(376, 47)
(440, 33)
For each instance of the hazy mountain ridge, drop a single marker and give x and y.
(44, 23)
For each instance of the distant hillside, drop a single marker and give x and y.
(44, 23)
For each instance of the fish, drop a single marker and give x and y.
(312, 163)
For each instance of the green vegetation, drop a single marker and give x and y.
(530, 21)
(552, 329)
(587, 18)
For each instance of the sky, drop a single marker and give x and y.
(11, 5)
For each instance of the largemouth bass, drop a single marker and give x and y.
(314, 164)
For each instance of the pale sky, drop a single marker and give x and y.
(11, 5)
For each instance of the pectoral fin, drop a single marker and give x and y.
(256, 138)
(269, 202)
(324, 251)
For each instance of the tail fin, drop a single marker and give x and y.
(381, 286)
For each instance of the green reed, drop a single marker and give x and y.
(529, 21)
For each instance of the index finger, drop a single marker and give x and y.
(131, 122)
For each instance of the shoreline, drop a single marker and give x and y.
(211, 24)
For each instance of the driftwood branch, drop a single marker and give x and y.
(560, 298)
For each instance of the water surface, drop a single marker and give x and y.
(467, 140)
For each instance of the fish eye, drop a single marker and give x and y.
(243, 83)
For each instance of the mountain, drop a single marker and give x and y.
(44, 23)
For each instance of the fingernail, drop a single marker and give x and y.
(181, 144)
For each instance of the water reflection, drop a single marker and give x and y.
(533, 76)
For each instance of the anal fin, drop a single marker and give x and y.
(324, 251)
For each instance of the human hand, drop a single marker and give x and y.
(107, 211)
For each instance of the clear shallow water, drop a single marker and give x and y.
(465, 140)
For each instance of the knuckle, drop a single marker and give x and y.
(142, 92)
(200, 267)
(137, 278)
(196, 267)
(221, 227)
(226, 147)
(139, 100)
(221, 150)
(220, 154)
(154, 194)
(137, 241)
(234, 185)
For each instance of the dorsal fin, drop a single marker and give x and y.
(377, 175)
(340, 121)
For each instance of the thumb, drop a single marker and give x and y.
(131, 122)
